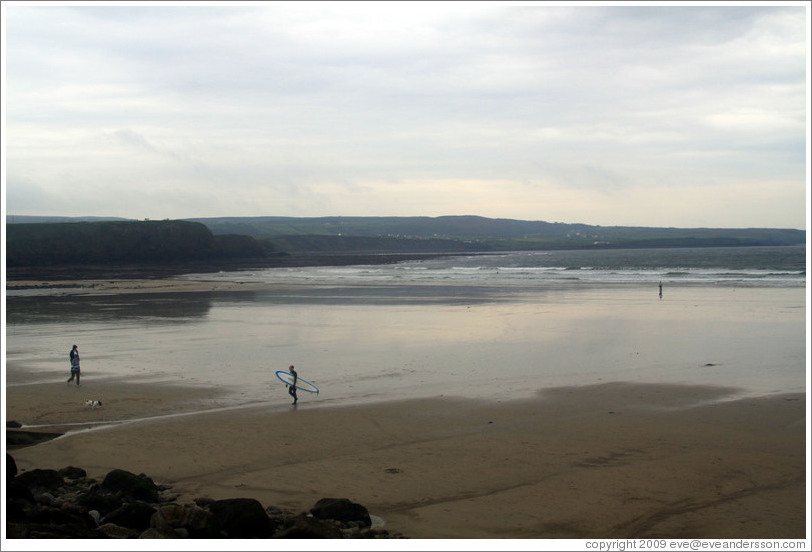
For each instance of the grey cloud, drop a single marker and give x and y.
(285, 97)
(128, 137)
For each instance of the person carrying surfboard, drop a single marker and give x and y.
(294, 384)
(292, 387)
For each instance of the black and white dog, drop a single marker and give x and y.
(90, 403)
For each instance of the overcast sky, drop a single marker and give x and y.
(646, 115)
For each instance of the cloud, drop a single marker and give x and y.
(303, 110)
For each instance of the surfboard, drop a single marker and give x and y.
(301, 385)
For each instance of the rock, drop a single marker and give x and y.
(153, 533)
(204, 502)
(45, 498)
(20, 503)
(73, 473)
(97, 499)
(132, 515)
(14, 424)
(113, 531)
(166, 518)
(66, 504)
(136, 487)
(63, 517)
(196, 522)
(305, 527)
(17, 491)
(169, 517)
(278, 516)
(341, 509)
(77, 510)
(95, 515)
(46, 479)
(242, 518)
(167, 496)
(201, 523)
(11, 468)
(50, 531)
(16, 530)
(373, 534)
(377, 522)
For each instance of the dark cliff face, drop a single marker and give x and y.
(120, 242)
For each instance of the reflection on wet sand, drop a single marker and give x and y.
(179, 306)
(98, 308)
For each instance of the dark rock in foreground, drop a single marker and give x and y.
(304, 527)
(134, 487)
(132, 515)
(45, 479)
(65, 504)
(73, 473)
(242, 518)
(11, 467)
(341, 509)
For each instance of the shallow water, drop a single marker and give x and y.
(383, 342)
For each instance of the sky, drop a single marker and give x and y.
(686, 115)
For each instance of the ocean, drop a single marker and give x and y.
(491, 327)
(745, 266)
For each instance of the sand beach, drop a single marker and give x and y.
(603, 459)
(606, 461)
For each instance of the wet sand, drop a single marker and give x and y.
(602, 461)
(143, 285)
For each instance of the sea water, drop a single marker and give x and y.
(495, 326)
(731, 266)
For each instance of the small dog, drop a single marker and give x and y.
(90, 403)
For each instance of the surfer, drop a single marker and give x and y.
(661, 290)
(292, 387)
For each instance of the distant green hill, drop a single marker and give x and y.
(39, 242)
(48, 244)
(473, 233)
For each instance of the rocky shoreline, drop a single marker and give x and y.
(66, 504)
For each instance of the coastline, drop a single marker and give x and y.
(614, 460)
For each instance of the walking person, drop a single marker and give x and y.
(75, 369)
(292, 387)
